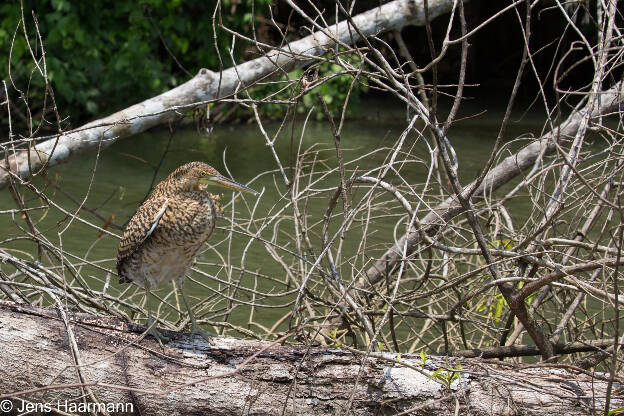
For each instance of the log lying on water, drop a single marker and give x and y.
(207, 86)
(249, 377)
(499, 175)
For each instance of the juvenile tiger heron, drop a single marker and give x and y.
(165, 234)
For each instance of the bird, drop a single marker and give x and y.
(162, 239)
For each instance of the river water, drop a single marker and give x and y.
(124, 171)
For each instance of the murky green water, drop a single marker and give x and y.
(123, 174)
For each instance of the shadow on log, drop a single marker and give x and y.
(41, 348)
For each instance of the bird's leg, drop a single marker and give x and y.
(151, 325)
(195, 329)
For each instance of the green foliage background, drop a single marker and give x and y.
(334, 90)
(104, 56)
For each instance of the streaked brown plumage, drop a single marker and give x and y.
(164, 236)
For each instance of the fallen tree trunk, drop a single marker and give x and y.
(207, 86)
(501, 174)
(41, 347)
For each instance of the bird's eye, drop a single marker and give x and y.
(203, 173)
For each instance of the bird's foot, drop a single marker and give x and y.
(196, 330)
(156, 334)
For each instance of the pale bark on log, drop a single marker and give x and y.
(207, 86)
(36, 352)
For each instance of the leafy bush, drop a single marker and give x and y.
(103, 56)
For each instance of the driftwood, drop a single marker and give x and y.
(41, 347)
(501, 174)
(208, 86)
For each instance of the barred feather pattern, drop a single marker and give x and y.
(163, 248)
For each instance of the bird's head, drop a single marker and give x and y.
(193, 175)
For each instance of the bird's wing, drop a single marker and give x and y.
(140, 227)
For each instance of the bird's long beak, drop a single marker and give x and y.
(224, 182)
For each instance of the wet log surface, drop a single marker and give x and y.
(190, 377)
